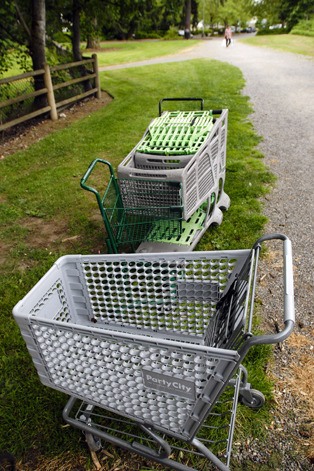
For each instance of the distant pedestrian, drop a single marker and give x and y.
(228, 35)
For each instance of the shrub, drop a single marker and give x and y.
(172, 33)
(304, 28)
(62, 38)
(146, 35)
(267, 31)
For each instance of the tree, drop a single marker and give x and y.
(37, 46)
(292, 11)
(287, 12)
(235, 12)
(37, 41)
(76, 31)
(187, 26)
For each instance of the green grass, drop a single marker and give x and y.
(285, 42)
(121, 52)
(45, 214)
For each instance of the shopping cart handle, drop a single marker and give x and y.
(289, 312)
(201, 100)
(90, 170)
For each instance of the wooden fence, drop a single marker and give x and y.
(52, 91)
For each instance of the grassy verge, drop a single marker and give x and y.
(121, 52)
(285, 42)
(45, 214)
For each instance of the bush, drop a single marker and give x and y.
(62, 38)
(200, 32)
(146, 35)
(267, 31)
(304, 28)
(172, 33)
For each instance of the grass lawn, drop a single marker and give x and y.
(45, 214)
(285, 42)
(120, 52)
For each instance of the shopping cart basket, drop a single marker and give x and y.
(146, 228)
(163, 155)
(128, 226)
(154, 338)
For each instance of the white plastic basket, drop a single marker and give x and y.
(201, 175)
(143, 324)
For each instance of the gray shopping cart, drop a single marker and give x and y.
(153, 342)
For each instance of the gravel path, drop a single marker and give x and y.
(281, 89)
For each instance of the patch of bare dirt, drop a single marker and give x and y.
(21, 137)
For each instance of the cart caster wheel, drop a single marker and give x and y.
(94, 443)
(257, 399)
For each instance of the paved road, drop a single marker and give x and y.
(281, 89)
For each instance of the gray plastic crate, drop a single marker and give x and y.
(201, 175)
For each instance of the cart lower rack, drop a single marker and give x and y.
(171, 330)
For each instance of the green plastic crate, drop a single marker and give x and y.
(177, 133)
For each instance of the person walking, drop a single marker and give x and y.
(228, 35)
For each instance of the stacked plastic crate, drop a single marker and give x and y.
(179, 163)
(170, 187)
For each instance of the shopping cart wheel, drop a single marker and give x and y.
(93, 442)
(253, 399)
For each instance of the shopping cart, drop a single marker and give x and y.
(153, 340)
(186, 147)
(149, 223)
(128, 226)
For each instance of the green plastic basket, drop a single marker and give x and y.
(177, 133)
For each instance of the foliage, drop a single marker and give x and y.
(118, 19)
(304, 28)
(270, 32)
(234, 12)
(230, 12)
(287, 12)
(172, 33)
(12, 37)
(293, 11)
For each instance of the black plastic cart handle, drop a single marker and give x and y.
(201, 100)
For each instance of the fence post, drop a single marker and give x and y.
(50, 94)
(97, 81)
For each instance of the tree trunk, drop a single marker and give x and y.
(76, 34)
(92, 37)
(37, 47)
(92, 42)
(187, 29)
(76, 41)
